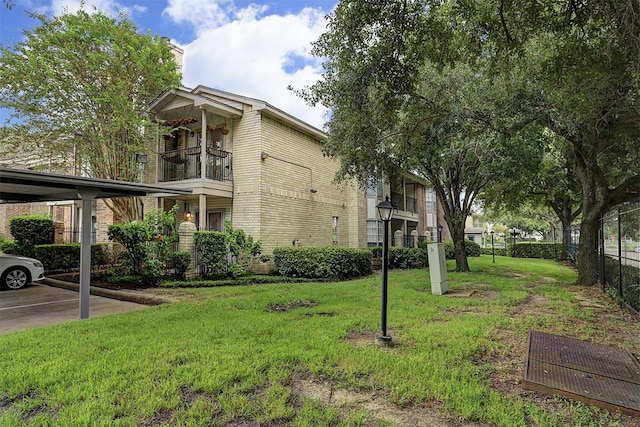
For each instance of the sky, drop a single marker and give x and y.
(251, 48)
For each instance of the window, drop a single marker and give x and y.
(430, 196)
(375, 188)
(374, 233)
(335, 230)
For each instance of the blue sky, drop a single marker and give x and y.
(253, 48)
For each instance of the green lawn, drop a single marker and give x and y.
(233, 355)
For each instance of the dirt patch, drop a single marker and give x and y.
(278, 307)
(346, 401)
(7, 403)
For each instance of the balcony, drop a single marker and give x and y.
(179, 165)
(404, 203)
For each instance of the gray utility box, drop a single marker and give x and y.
(437, 268)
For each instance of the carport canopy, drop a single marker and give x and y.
(27, 186)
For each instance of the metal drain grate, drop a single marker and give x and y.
(605, 376)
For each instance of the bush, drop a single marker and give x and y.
(407, 257)
(473, 249)
(546, 250)
(29, 231)
(181, 261)
(8, 247)
(322, 263)
(133, 237)
(211, 247)
(66, 257)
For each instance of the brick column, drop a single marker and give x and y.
(186, 231)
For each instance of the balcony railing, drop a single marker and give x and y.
(178, 165)
(398, 202)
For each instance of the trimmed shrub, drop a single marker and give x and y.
(211, 247)
(449, 249)
(322, 263)
(407, 258)
(473, 249)
(29, 231)
(66, 257)
(181, 261)
(498, 251)
(8, 247)
(546, 250)
(240, 281)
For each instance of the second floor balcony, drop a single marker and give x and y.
(178, 165)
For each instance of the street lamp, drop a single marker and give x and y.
(493, 248)
(385, 211)
(514, 233)
(439, 233)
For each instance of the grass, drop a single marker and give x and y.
(233, 355)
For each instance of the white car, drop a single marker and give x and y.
(17, 271)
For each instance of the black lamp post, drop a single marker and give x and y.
(514, 233)
(385, 210)
(493, 248)
(439, 234)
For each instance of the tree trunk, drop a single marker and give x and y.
(460, 250)
(593, 201)
(587, 259)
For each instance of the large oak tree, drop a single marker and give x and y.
(402, 102)
(78, 85)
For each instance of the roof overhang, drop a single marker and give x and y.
(24, 186)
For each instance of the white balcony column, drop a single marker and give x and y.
(202, 207)
(203, 148)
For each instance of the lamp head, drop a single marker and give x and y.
(385, 209)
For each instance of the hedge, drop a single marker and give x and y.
(29, 231)
(238, 281)
(66, 257)
(211, 247)
(318, 263)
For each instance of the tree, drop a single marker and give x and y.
(79, 84)
(583, 66)
(550, 193)
(572, 66)
(401, 103)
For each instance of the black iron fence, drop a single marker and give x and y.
(619, 253)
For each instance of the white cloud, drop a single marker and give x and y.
(254, 54)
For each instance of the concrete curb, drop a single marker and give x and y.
(136, 297)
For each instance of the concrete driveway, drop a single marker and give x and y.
(41, 305)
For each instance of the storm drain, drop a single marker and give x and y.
(604, 376)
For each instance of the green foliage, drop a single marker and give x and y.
(449, 249)
(133, 237)
(181, 261)
(473, 249)
(73, 69)
(146, 244)
(66, 257)
(407, 257)
(211, 247)
(8, 247)
(235, 281)
(241, 244)
(235, 360)
(546, 250)
(225, 254)
(29, 231)
(322, 263)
